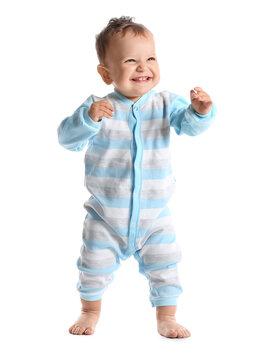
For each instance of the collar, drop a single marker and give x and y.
(142, 100)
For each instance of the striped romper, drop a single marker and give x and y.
(129, 175)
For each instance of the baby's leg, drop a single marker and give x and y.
(97, 263)
(158, 260)
(87, 321)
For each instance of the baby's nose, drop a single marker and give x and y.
(141, 67)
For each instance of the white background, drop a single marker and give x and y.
(221, 203)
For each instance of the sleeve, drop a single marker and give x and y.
(75, 131)
(185, 120)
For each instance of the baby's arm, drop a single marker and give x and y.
(184, 118)
(75, 131)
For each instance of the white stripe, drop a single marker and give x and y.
(107, 154)
(157, 253)
(159, 100)
(113, 124)
(97, 259)
(106, 161)
(150, 213)
(157, 184)
(109, 182)
(164, 277)
(94, 281)
(163, 153)
(155, 124)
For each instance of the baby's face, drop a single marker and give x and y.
(132, 64)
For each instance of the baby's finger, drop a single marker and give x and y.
(107, 104)
(204, 98)
(107, 114)
(198, 89)
(193, 95)
(105, 108)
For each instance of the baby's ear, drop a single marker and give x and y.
(104, 73)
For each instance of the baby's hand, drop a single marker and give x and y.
(200, 101)
(100, 109)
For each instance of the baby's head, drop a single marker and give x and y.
(126, 52)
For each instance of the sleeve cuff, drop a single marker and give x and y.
(209, 115)
(91, 122)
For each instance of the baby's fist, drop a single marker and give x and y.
(200, 101)
(100, 109)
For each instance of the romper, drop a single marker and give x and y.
(129, 176)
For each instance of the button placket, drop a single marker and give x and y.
(137, 177)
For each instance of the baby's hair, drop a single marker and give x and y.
(116, 25)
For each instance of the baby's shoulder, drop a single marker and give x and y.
(109, 97)
(164, 97)
(94, 98)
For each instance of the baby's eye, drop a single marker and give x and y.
(152, 58)
(130, 60)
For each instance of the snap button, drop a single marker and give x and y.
(135, 108)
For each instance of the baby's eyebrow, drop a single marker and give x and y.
(134, 57)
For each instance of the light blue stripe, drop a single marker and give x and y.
(149, 174)
(155, 113)
(93, 170)
(106, 270)
(122, 231)
(158, 266)
(111, 144)
(164, 301)
(161, 239)
(166, 291)
(90, 298)
(154, 203)
(165, 212)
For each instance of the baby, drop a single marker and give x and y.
(129, 174)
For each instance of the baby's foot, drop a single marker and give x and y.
(168, 327)
(86, 323)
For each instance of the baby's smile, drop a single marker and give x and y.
(142, 79)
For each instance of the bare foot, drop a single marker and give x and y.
(86, 323)
(168, 327)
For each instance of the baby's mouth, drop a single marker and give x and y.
(141, 78)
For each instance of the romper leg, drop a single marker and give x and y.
(99, 259)
(158, 259)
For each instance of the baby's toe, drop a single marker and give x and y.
(183, 332)
(76, 330)
(172, 333)
(88, 331)
(71, 329)
(80, 330)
